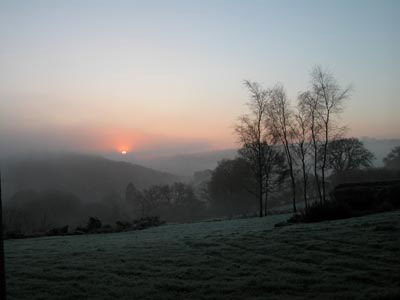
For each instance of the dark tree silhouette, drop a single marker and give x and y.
(275, 171)
(324, 101)
(135, 198)
(232, 187)
(302, 144)
(348, 154)
(280, 124)
(392, 160)
(330, 99)
(308, 103)
(253, 135)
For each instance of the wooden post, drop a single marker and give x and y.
(3, 292)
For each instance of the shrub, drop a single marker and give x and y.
(93, 225)
(58, 231)
(329, 210)
(123, 226)
(369, 196)
(147, 222)
(355, 199)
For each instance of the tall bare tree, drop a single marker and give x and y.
(253, 136)
(330, 102)
(275, 171)
(309, 104)
(302, 143)
(279, 122)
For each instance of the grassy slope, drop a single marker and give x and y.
(357, 258)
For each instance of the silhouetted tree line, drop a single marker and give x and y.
(174, 203)
(287, 152)
(30, 212)
(228, 190)
(297, 147)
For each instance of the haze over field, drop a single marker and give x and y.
(165, 78)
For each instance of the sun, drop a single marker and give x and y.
(123, 152)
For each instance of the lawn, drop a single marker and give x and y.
(357, 258)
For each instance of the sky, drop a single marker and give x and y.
(167, 76)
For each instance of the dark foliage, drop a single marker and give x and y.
(174, 203)
(349, 200)
(58, 231)
(93, 225)
(392, 160)
(139, 224)
(231, 188)
(348, 154)
(31, 211)
(328, 210)
(369, 196)
(123, 226)
(364, 175)
(147, 222)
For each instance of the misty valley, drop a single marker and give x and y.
(199, 150)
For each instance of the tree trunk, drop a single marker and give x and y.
(3, 292)
(266, 203)
(293, 179)
(260, 197)
(293, 189)
(316, 171)
(323, 184)
(324, 158)
(304, 184)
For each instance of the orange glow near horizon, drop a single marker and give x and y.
(122, 140)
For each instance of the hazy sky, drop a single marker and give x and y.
(167, 75)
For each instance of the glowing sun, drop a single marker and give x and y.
(123, 152)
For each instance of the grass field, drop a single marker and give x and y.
(356, 258)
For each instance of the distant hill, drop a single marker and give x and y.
(188, 164)
(88, 177)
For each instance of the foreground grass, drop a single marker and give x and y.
(356, 258)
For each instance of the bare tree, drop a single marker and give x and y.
(302, 144)
(322, 103)
(279, 122)
(309, 103)
(253, 136)
(330, 98)
(275, 171)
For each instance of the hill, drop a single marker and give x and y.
(239, 259)
(187, 164)
(88, 177)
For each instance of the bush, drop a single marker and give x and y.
(369, 196)
(58, 231)
(329, 210)
(93, 225)
(147, 222)
(349, 200)
(14, 235)
(123, 226)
